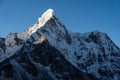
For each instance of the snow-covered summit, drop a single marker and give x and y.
(46, 16)
(41, 21)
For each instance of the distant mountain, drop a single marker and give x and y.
(49, 51)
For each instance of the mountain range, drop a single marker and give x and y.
(48, 50)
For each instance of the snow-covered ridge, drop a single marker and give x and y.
(10, 41)
(41, 21)
(46, 16)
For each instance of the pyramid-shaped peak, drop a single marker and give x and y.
(46, 16)
(49, 12)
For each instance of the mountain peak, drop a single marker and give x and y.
(48, 50)
(46, 16)
(49, 12)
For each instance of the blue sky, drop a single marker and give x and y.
(78, 15)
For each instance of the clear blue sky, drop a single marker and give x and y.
(77, 15)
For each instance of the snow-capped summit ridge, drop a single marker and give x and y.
(49, 13)
(41, 21)
(46, 16)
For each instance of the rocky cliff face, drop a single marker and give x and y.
(40, 62)
(49, 51)
(2, 45)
